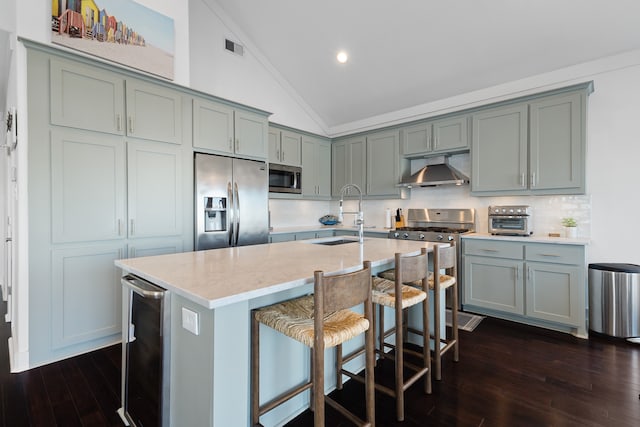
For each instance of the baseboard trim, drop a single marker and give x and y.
(18, 362)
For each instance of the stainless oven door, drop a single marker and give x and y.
(509, 225)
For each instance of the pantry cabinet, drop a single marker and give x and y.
(108, 178)
(534, 147)
(316, 168)
(447, 135)
(223, 129)
(537, 283)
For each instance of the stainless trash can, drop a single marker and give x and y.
(614, 299)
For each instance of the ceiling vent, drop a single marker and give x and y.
(234, 47)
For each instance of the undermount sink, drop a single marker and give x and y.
(335, 242)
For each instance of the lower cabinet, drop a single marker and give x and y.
(537, 283)
(303, 235)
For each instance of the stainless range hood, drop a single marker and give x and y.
(437, 172)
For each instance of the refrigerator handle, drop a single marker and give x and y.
(236, 200)
(231, 211)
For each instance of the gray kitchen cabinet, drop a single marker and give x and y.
(153, 112)
(227, 130)
(154, 190)
(383, 163)
(557, 148)
(541, 284)
(534, 147)
(348, 164)
(372, 162)
(316, 168)
(282, 237)
(447, 135)
(499, 150)
(555, 286)
(86, 97)
(88, 186)
(284, 147)
(494, 275)
(85, 294)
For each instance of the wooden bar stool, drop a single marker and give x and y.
(320, 321)
(444, 258)
(408, 268)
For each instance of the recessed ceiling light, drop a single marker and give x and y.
(342, 57)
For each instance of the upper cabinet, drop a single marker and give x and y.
(316, 168)
(348, 164)
(85, 97)
(371, 161)
(153, 112)
(90, 98)
(448, 135)
(284, 147)
(535, 147)
(227, 130)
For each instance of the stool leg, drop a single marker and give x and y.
(454, 322)
(426, 347)
(312, 404)
(318, 385)
(339, 367)
(381, 330)
(436, 326)
(370, 388)
(399, 360)
(255, 371)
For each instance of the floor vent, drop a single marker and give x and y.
(234, 47)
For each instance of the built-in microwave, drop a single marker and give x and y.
(285, 179)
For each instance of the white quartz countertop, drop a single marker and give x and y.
(218, 277)
(529, 239)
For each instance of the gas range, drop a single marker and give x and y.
(436, 225)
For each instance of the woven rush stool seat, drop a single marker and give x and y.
(319, 321)
(399, 297)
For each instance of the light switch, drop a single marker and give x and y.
(190, 321)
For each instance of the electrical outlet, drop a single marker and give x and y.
(190, 321)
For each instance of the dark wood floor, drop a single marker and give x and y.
(508, 375)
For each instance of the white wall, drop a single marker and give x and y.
(247, 79)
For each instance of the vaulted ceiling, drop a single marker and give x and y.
(411, 52)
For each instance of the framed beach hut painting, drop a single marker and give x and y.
(121, 31)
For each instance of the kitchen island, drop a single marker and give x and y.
(209, 371)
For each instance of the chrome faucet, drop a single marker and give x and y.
(359, 214)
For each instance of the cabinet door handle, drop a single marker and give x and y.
(529, 273)
(435, 143)
(119, 227)
(118, 122)
(132, 230)
(230, 144)
(282, 158)
(489, 250)
(533, 179)
(237, 144)
(550, 255)
(522, 180)
(517, 272)
(278, 155)
(428, 142)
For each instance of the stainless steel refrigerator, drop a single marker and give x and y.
(231, 202)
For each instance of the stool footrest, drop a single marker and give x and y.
(283, 398)
(338, 407)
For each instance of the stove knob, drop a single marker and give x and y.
(405, 235)
(421, 236)
(440, 237)
(396, 235)
(450, 238)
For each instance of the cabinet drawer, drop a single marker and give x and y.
(511, 250)
(554, 253)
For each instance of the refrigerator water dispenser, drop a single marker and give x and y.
(215, 214)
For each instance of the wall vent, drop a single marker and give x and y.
(234, 47)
